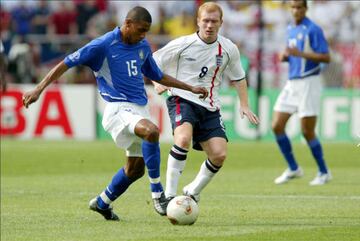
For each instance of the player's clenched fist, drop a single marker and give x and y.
(30, 97)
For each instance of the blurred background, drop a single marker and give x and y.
(36, 35)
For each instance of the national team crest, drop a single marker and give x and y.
(219, 60)
(141, 54)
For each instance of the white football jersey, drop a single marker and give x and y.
(191, 60)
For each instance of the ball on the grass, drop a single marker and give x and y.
(182, 210)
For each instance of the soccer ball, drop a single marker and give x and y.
(182, 210)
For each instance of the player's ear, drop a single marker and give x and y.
(128, 23)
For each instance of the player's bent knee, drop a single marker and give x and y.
(183, 141)
(218, 159)
(152, 133)
(277, 128)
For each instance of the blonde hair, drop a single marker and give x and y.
(210, 7)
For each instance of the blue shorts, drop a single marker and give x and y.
(206, 124)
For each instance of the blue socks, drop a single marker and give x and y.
(120, 182)
(151, 153)
(285, 148)
(118, 186)
(315, 147)
(317, 153)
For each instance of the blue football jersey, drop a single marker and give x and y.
(307, 37)
(118, 67)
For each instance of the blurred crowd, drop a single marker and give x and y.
(36, 34)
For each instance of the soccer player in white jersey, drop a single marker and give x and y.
(119, 59)
(200, 59)
(306, 49)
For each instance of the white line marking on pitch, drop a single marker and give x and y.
(290, 196)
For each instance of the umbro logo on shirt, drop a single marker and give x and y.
(190, 59)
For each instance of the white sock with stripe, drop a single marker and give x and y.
(175, 166)
(206, 173)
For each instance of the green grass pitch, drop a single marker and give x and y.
(46, 186)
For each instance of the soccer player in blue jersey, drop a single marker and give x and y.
(306, 49)
(119, 59)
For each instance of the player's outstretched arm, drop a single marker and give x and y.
(241, 88)
(33, 95)
(169, 81)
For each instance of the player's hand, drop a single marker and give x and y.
(284, 56)
(293, 51)
(30, 97)
(245, 111)
(200, 90)
(159, 88)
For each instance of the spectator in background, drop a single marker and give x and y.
(41, 18)
(22, 16)
(85, 11)
(3, 68)
(5, 28)
(102, 22)
(21, 64)
(180, 25)
(63, 20)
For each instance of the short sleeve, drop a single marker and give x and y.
(86, 55)
(317, 41)
(234, 70)
(151, 70)
(167, 56)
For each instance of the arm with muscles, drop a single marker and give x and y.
(241, 88)
(169, 81)
(93, 50)
(33, 95)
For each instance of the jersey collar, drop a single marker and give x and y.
(202, 41)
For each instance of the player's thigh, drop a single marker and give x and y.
(288, 99)
(120, 119)
(181, 111)
(209, 126)
(147, 130)
(216, 149)
(311, 99)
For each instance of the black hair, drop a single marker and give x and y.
(305, 3)
(139, 14)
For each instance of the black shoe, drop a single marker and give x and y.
(108, 214)
(160, 204)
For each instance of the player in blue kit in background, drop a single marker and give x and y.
(119, 59)
(306, 49)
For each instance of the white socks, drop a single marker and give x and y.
(175, 166)
(206, 173)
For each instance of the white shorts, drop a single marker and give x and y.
(120, 119)
(302, 96)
